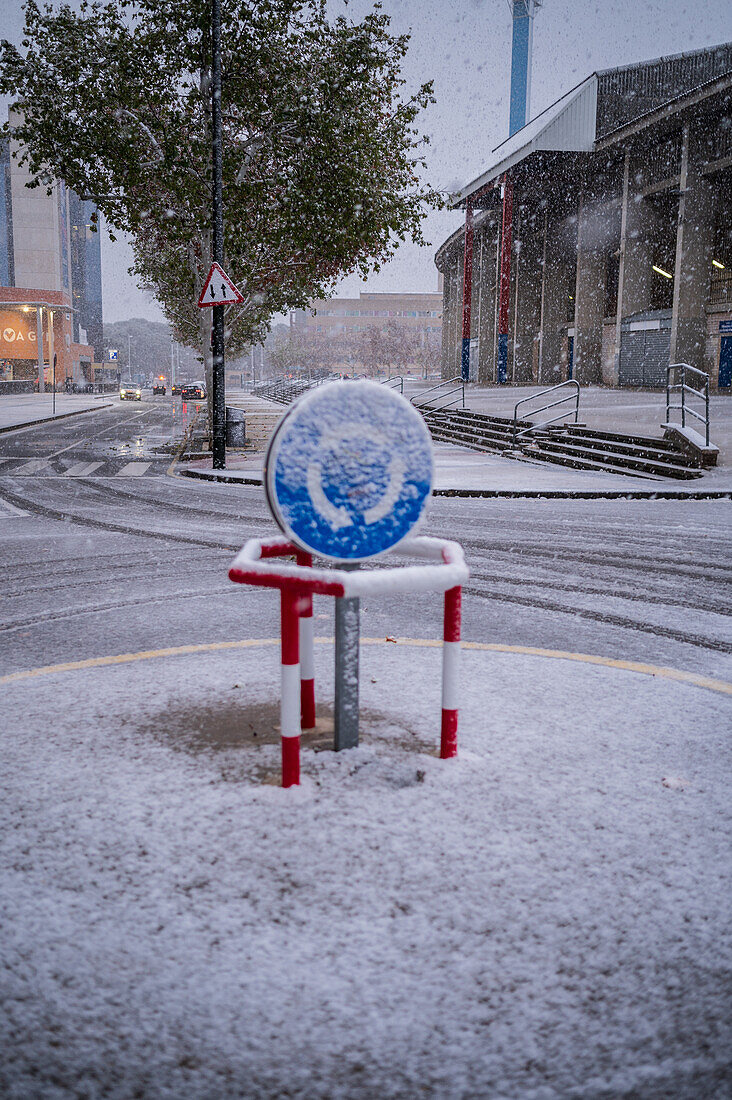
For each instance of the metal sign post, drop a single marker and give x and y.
(347, 645)
(218, 427)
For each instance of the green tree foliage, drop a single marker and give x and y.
(321, 158)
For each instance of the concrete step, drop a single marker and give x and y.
(483, 441)
(591, 458)
(648, 449)
(620, 438)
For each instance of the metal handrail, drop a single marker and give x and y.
(552, 404)
(683, 389)
(459, 388)
(397, 379)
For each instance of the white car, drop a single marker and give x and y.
(130, 391)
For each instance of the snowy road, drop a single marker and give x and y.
(547, 917)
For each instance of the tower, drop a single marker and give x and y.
(521, 44)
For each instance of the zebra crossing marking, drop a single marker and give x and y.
(81, 469)
(134, 469)
(33, 466)
(9, 511)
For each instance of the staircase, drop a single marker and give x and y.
(565, 444)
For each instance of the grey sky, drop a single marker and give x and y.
(464, 46)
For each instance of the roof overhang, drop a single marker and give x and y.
(569, 125)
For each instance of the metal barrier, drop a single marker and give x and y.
(458, 387)
(543, 408)
(683, 389)
(444, 570)
(285, 390)
(394, 383)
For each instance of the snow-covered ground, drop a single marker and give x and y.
(17, 410)
(547, 916)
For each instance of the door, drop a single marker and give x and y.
(725, 362)
(570, 356)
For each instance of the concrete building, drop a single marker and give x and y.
(598, 242)
(341, 316)
(50, 280)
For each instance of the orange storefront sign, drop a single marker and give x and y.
(18, 335)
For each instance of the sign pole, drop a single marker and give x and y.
(218, 427)
(347, 638)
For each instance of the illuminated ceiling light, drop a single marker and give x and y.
(662, 272)
(718, 264)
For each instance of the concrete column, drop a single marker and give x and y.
(559, 284)
(457, 337)
(528, 294)
(694, 243)
(446, 286)
(636, 255)
(487, 308)
(476, 303)
(51, 345)
(39, 349)
(595, 235)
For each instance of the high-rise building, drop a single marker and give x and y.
(50, 279)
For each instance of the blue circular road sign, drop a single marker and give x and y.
(349, 470)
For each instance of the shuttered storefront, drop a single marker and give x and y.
(645, 349)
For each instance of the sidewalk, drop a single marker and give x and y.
(462, 472)
(24, 410)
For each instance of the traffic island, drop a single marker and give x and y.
(554, 864)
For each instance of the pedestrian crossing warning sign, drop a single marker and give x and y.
(218, 290)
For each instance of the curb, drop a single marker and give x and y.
(520, 494)
(206, 475)
(50, 419)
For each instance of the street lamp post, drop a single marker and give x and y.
(217, 335)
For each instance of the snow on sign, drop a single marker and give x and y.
(349, 470)
(218, 290)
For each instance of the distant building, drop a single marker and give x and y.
(341, 316)
(50, 280)
(602, 235)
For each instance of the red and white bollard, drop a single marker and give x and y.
(297, 583)
(450, 673)
(307, 659)
(290, 698)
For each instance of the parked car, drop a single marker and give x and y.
(130, 391)
(159, 387)
(176, 388)
(193, 391)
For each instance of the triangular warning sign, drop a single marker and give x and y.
(218, 290)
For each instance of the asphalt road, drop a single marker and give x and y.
(104, 554)
(122, 441)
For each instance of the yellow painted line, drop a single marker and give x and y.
(692, 678)
(143, 655)
(586, 658)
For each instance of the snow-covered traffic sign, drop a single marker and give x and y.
(218, 290)
(349, 470)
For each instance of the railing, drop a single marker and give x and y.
(394, 383)
(682, 389)
(285, 390)
(574, 385)
(447, 398)
(261, 387)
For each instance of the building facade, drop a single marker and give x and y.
(50, 280)
(598, 243)
(344, 316)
